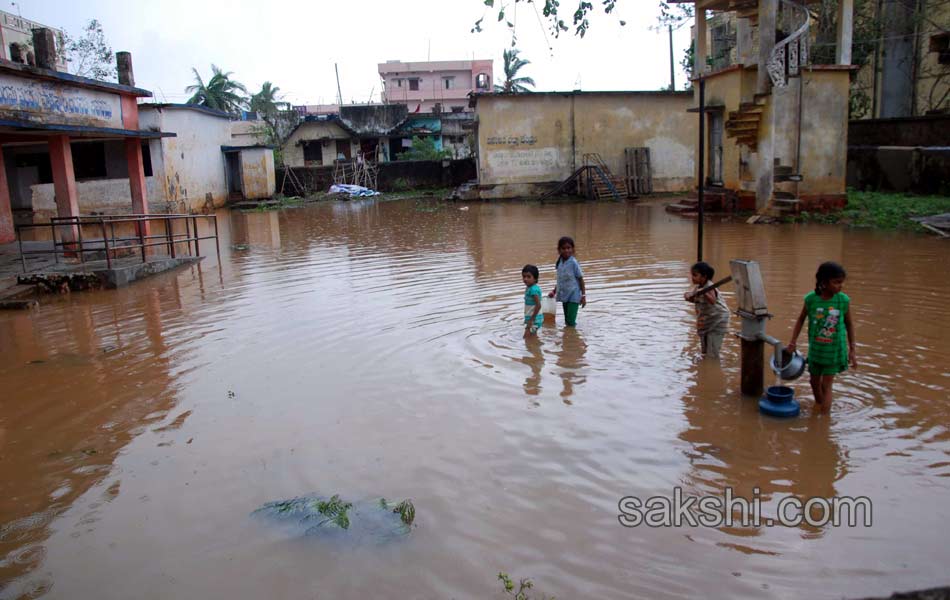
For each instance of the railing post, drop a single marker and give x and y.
(194, 222)
(105, 243)
(171, 237)
(217, 244)
(19, 241)
(82, 254)
(140, 230)
(52, 228)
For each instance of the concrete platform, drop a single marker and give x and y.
(98, 275)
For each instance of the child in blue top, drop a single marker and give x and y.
(569, 288)
(532, 300)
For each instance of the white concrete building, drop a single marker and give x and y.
(201, 167)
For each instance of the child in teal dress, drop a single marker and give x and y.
(569, 289)
(532, 300)
(830, 351)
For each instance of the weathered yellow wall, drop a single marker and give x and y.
(824, 132)
(934, 78)
(257, 173)
(726, 91)
(824, 129)
(532, 139)
(315, 130)
(657, 121)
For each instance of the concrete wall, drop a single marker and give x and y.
(99, 196)
(192, 164)
(905, 155)
(530, 139)
(824, 155)
(257, 173)
(398, 175)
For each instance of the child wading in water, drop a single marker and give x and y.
(532, 300)
(828, 348)
(712, 314)
(569, 288)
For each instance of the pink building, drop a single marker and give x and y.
(424, 86)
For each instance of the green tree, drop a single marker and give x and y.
(277, 116)
(220, 92)
(514, 84)
(89, 55)
(423, 148)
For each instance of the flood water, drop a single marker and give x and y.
(375, 349)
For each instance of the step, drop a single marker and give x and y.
(736, 127)
(680, 208)
(788, 202)
(748, 107)
(744, 117)
(792, 177)
(780, 195)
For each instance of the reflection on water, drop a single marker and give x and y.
(375, 349)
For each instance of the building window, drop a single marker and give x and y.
(481, 81)
(457, 109)
(398, 82)
(448, 82)
(89, 160)
(146, 158)
(312, 151)
(414, 85)
(343, 150)
(940, 43)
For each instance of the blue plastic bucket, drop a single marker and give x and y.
(779, 394)
(788, 408)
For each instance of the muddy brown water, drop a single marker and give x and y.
(374, 349)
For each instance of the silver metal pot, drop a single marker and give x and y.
(792, 367)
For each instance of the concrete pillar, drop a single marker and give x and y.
(7, 234)
(133, 154)
(124, 67)
(767, 16)
(701, 46)
(44, 45)
(765, 166)
(845, 31)
(64, 182)
(744, 42)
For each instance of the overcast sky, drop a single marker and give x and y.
(294, 44)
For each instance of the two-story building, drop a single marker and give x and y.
(436, 86)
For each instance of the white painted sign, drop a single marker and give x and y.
(57, 103)
(524, 164)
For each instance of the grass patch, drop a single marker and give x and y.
(881, 210)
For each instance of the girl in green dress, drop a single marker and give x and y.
(830, 351)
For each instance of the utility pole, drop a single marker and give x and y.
(702, 164)
(339, 94)
(672, 64)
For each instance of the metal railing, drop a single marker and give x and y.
(75, 245)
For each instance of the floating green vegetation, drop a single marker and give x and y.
(406, 510)
(523, 586)
(377, 520)
(334, 510)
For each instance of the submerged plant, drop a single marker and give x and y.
(406, 510)
(334, 510)
(523, 586)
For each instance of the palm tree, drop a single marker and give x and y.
(514, 84)
(220, 93)
(265, 101)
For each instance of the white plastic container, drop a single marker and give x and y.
(548, 309)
